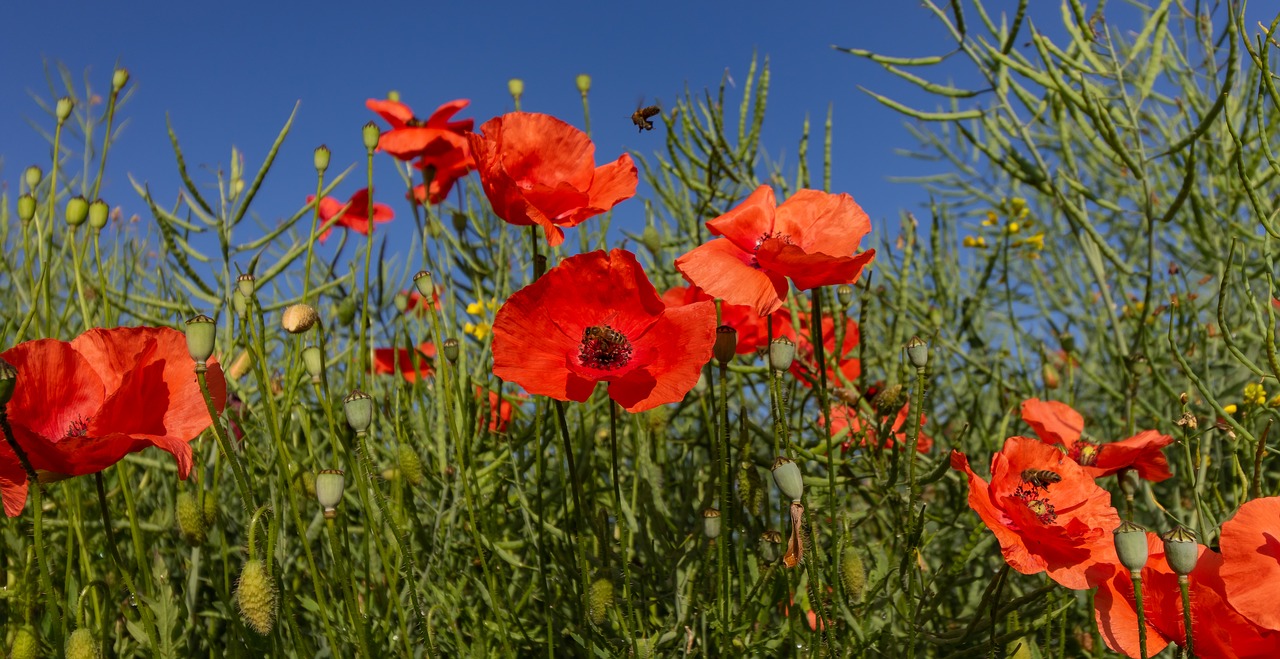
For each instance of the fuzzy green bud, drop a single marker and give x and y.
(651, 239)
(81, 644)
(852, 574)
(918, 352)
(787, 476)
(422, 281)
(751, 488)
(99, 213)
(726, 344)
(889, 400)
(77, 211)
(782, 352)
(62, 110)
(515, 87)
(307, 483)
(209, 509)
(256, 597)
(8, 382)
(359, 409)
(26, 644)
(410, 464)
(32, 177)
(201, 332)
(370, 134)
(313, 360)
(26, 208)
(1131, 545)
(584, 83)
(119, 79)
(190, 517)
(1181, 550)
(600, 599)
(711, 523)
(321, 158)
(329, 485)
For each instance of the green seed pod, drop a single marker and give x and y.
(26, 644)
(201, 332)
(26, 208)
(239, 303)
(711, 523)
(119, 79)
(99, 212)
(584, 83)
(246, 284)
(320, 157)
(726, 344)
(370, 134)
(8, 382)
(770, 546)
(62, 110)
(329, 484)
(782, 352)
(426, 288)
(346, 311)
(844, 294)
(1131, 545)
(410, 464)
(77, 211)
(32, 177)
(401, 300)
(1181, 550)
(299, 318)
(651, 239)
(600, 599)
(451, 348)
(82, 645)
(515, 87)
(190, 519)
(787, 476)
(751, 488)
(359, 409)
(918, 352)
(852, 574)
(210, 510)
(256, 597)
(313, 360)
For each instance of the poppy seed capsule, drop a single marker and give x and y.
(313, 360)
(401, 301)
(918, 352)
(782, 352)
(787, 476)
(451, 350)
(422, 282)
(8, 381)
(246, 284)
(726, 344)
(359, 409)
(320, 157)
(256, 597)
(98, 214)
(119, 78)
(299, 318)
(844, 293)
(1181, 550)
(32, 177)
(584, 83)
(370, 134)
(770, 546)
(82, 645)
(63, 108)
(329, 485)
(515, 87)
(26, 208)
(711, 523)
(26, 645)
(1131, 545)
(77, 211)
(201, 332)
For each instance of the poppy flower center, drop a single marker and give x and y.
(1033, 482)
(77, 428)
(604, 348)
(1085, 453)
(785, 238)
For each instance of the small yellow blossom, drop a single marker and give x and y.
(974, 241)
(1229, 409)
(991, 220)
(475, 308)
(478, 330)
(1013, 227)
(1254, 394)
(1035, 241)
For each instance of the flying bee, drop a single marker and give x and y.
(641, 117)
(1040, 478)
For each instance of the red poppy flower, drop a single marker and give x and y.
(1218, 630)
(499, 410)
(353, 215)
(1046, 512)
(412, 365)
(753, 330)
(416, 303)
(805, 366)
(809, 239)
(435, 137)
(850, 418)
(1251, 551)
(446, 168)
(1057, 423)
(81, 406)
(538, 170)
(596, 318)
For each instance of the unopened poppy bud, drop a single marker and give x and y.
(201, 332)
(256, 597)
(401, 301)
(1050, 375)
(359, 409)
(782, 352)
(370, 134)
(32, 177)
(8, 381)
(119, 79)
(844, 294)
(410, 464)
(1068, 342)
(26, 207)
(77, 211)
(321, 158)
(600, 599)
(393, 95)
(210, 510)
(1181, 550)
(786, 475)
(451, 350)
(246, 284)
(725, 345)
(239, 303)
(1129, 481)
(422, 281)
(711, 523)
(63, 108)
(26, 645)
(1131, 545)
(190, 518)
(852, 574)
(99, 212)
(307, 481)
(82, 645)
(584, 83)
(346, 310)
(770, 546)
(515, 87)
(313, 360)
(651, 239)
(299, 318)
(329, 484)
(918, 352)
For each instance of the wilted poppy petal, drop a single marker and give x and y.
(724, 271)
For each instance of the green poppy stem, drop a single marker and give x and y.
(1136, 577)
(1185, 587)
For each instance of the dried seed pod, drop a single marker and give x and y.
(299, 318)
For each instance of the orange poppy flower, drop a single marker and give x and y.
(596, 318)
(446, 169)
(1250, 545)
(1219, 631)
(538, 170)
(810, 239)
(1046, 512)
(850, 418)
(416, 303)
(499, 410)
(412, 365)
(81, 406)
(436, 137)
(753, 330)
(805, 366)
(1057, 423)
(353, 215)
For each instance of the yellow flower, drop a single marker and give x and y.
(1013, 227)
(1035, 241)
(475, 308)
(1254, 394)
(1229, 409)
(478, 330)
(992, 218)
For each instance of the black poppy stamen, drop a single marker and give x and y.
(604, 348)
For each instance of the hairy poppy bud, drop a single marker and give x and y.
(256, 597)
(1050, 375)
(726, 344)
(370, 134)
(852, 574)
(600, 599)
(26, 645)
(346, 310)
(8, 381)
(26, 207)
(782, 352)
(246, 284)
(299, 318)
(584, 83)
(711, 523)
(119, 79)
(201, 332)
(307, 482)
(786, 475)
(751, 488)
(209, 509)
(1131, 545)
(422, 281)
(889, 400)
(329, 485)
(77, 211)
(82, 645)
(63, 108)
(99, 212)
(32, 177)
(190, 519)
(321, 158)
(1181, 550)
(410, 464)
(451, 350)
(515, 87)
(918, 352)
(359, 409)
(313, 360)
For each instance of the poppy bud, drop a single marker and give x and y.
(1067, 341)
(190, 517)
(782, 351)
(918, 352)
(346, 310)
(786, 475)
(725, 345)
(77, 211)
(1050, 375)
(844, 293)
(246, 285)
(1131, 545)
(98, 214)
(600, 599)
(370, 134)
(119, 79)
(711, 523)
(1129, 481)
(401, 301)
(852, 574)
(451, 350)
(307, 481)
(651, 239)
(1181, 550)
(256, 597)
(299, 318)
(393, 95)
(410, 464)
(584, 83)
(359, 409)
(329, 484)
(889, 400)
(201, 332)
(515, 87)
(321, 158)
(82, 645)
(26, 645)
(770, 546)
(8, 381)
(209, 510)
(63, 108)
(26, 208)
(32, 177)
(422, 282)
(313, 360)
(751, 488)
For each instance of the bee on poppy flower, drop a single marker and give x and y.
(641, 117)
(1040, 478)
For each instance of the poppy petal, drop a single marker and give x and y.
(822, 222)
(748, 222)
(724, 271)
(1053, 421)
(809, 270)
